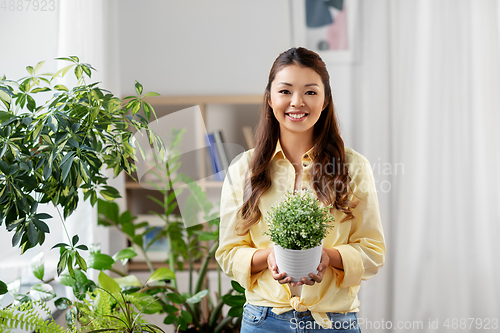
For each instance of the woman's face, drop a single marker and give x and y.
(297, 98)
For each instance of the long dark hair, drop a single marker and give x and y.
(331, 181)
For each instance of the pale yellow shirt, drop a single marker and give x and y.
(360, 241)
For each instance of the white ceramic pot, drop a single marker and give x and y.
(298, 263)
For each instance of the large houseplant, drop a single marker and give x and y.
(297, 226)
(192, 310)
(55, 141)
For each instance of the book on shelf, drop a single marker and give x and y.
(221, 150)
(248, 133)
(214, 157)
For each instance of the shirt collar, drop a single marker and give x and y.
(309, 155)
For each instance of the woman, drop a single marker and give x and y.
(298, 146)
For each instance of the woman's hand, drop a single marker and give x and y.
(317, 278)
(273, 268)
(282, 278)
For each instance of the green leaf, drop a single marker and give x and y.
(169, 308)
(29, 69)
(198, 297)
(40, 225)
(148, 304)
(87, 71)
(124, 255)
(107, 283)
(109, 209)
(138, 88)
(42, 292)
(66, 167)
(100, 261)
(63, 261)
(162, 273)
(3, 288)
(170, 319)
(61, 87)
(187, 316)
(136, 107)
(81, 262)
(127, 281)
(84, 171)
(32, 233)
(181, 324)
(235, 311)
(176, 298)
(66, 280)
(151, 93)
(37, 90)
(70, 266)
(236, 286)
(38, 66)
(235, 300)
(59, 245)
(75, 240)
(52, 122)
(78, 71)
(62, 303)
(147, 110)
(37, 266)
(31, 103)
(110, 193)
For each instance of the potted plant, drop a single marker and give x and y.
(297, 226)
(192, 246)
(55, 141)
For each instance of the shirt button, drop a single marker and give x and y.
(304, 164)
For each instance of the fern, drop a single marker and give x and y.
(28, 318)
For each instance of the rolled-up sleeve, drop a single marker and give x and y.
(235, 253)
(364, 254)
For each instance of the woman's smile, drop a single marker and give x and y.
(297, 98)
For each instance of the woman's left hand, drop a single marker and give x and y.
(316, 278)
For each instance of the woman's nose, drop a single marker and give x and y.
(296, 101)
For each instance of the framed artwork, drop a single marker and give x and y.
(328, 27)
(158, 251)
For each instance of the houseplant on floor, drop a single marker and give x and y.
(297, 226)
(50, 150)
(190, 310)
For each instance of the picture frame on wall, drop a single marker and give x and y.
(327, 27)
(158, 251)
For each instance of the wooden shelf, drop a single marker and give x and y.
(205, 99)
(142, 266)
(225, 113)
(131, 185)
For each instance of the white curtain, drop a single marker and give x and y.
(427, 102)
(88, 29)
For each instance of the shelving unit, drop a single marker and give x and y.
(217, 113)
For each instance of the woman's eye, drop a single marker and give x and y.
(284, 92)
(311, 93)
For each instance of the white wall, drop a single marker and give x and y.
(201, 47)
(218, 47)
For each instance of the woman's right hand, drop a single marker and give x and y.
(273, 268)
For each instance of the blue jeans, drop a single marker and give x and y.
(258, 319)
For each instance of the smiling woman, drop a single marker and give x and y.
(297, 100)
(299, 147)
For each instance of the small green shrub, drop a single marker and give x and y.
(298, 222)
